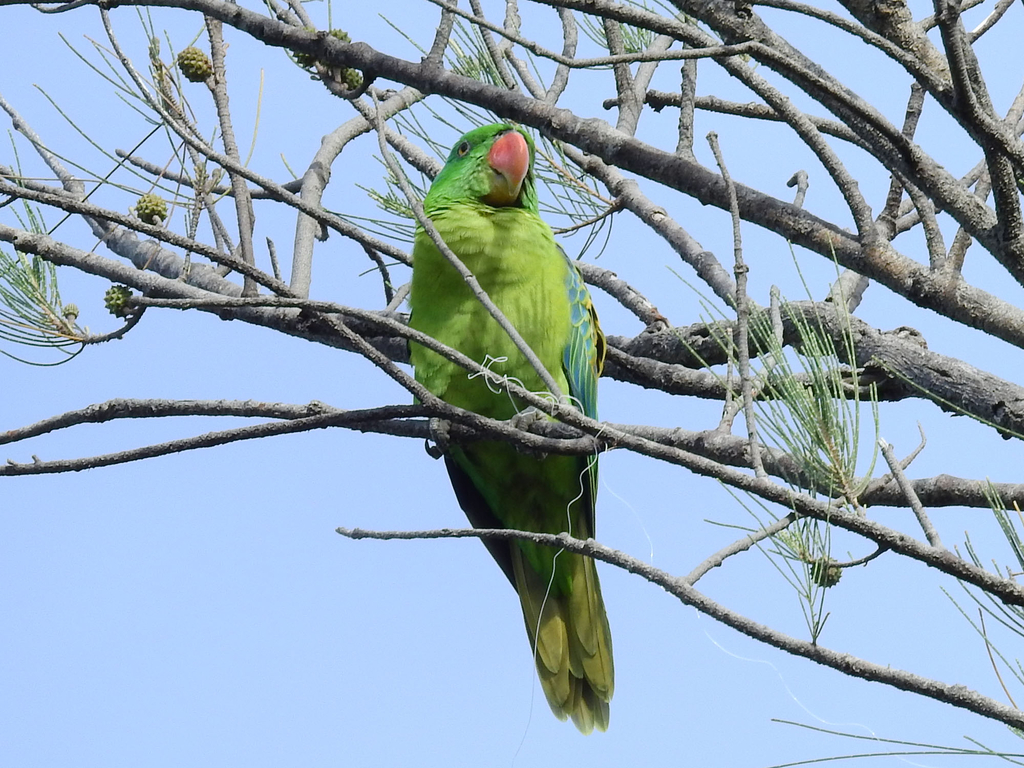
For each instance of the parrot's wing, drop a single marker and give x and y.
(584, 354)
(582, 362)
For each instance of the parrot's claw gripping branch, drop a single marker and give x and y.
(526, 421)
(440, 437)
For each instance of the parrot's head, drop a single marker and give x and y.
(492, 164)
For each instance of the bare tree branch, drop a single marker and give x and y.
(957, 695)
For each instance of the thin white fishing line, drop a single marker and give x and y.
(794, 697)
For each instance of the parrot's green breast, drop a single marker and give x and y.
(515, 258)
(513, 255)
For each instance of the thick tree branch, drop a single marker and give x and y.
(881, 262)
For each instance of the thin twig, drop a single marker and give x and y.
(385, 276)
(318, 175)
(915, 503)
(207, 440)
(991, 658)
(184, 180)
(932, 234)
(704, 262)
(658, 100)
(130, 323)
(890, 211)
(68, 203)
(641, 80)
(435, 57)
(991, 20)
(862, 560)
(687, 104)
(276, 191)
(742, 329)
(243, 204)
(492, 49)
(272, 252)
(615, 207)
(741, 545)
(627, 296)
(716, 51)
(801, 181)
(570, 38)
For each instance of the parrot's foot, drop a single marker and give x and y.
(440, 434)
(657, 322)
(525, 420)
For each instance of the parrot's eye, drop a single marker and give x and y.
(463, 148)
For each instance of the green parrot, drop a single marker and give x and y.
(484, 205)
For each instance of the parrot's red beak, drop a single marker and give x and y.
(510, 159)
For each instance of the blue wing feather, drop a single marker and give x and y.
(584, 354)
(582, 361)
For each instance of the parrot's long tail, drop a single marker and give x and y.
(572, 641)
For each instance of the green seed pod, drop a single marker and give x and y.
(305, 60)
(352, 78)
(825, 572)
(70, 312)
(151, 209)
(115, 299)
(194, 65)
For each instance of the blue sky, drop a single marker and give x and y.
(200, 610)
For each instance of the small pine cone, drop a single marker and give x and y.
(305, 60)
(70, 312)
(151, 209)
(115, 299)
(351, 78)
(825, 572)
(195, 65)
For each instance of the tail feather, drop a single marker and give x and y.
(591, 712)
(590, 625)
(552, 643)
(572, 641)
